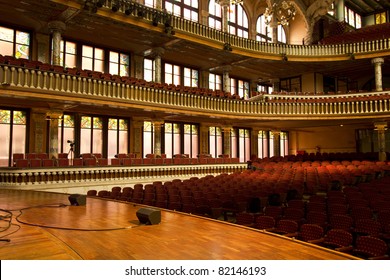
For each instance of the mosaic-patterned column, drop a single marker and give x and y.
(226, 140)
(381, 128)
(157, 125)
(38, 131)
(137, 132)
(378, 72)
(57, 28)
(54, 118)
(204, 138)
(276, 143)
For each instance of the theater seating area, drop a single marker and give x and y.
(33, 160)
(333, 211)
(96, 75)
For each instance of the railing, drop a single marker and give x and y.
(52, 85)
(58, 178)
(181, 25)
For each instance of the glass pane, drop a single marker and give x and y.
(97, 123)
(99, 54)
(19, 118)
(114, 57)
(6, 34)
(112, 124)
(5, 136)
(97, 144)
(86, 63)
(5, 116)
(86, 122)
(112, 143)
(87, 51)
(6, 48)
(22, 51)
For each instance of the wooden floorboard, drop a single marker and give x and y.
(110, 230)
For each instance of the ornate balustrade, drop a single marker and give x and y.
(70, 177)
(18, 81)
(199, 32)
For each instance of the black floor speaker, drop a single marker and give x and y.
(149, 216)
(77, 199)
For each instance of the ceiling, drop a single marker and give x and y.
(368, 7)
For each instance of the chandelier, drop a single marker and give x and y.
(282, 11)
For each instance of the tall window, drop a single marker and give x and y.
(262, 142)
(172, 74)
(380, 18)
(119, 63)
(191, 77)
(244, 144)
(353, 18)
(293, 84)
(215, 141)
(233, 143)
(91, 136)
(264, 32)
(215, 15)
(66, 132)
(191, 140)
(271, 144)
(118, 135)
(14, 43)
(92, 58)
(188, 9)
(283, 144)
(149, 70)
(172, 139)
(148, 141)
(13, 134)
(215, 81)
(239, 87)
(238, 21)
(68, 54)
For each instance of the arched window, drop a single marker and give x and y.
(237, 19)
(264, 32)
(188, 9)
(215, 15)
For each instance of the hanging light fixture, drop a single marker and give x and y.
(283, 11)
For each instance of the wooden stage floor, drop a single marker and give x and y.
(44, 226)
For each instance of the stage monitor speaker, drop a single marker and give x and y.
(77, 199)
(149, 216)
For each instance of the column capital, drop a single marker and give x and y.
(380, 125)
(378, 60)
(156, 52)
(223, 3)
(57, 26)
(54, 115)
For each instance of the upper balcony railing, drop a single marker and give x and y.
(200, 32)
(18, 81)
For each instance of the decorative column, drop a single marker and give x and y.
(381, 128)
(158, 5)
(226, 140)
(53, 117)
(339, 12)
(255, 143)
(225, 16)
(275, 85)
(138, 66)
(57, 28)
(204, 138)
(157, 136)
(378, 72)
(274, 28)
(276, 134)
(136, 136)
(226, 78)
(157, 53)
(38, 131)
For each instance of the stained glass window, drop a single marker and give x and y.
(117, 137)
(119, 63)
(14, 43)
(191, 140)
(13, 135)
(215, 141)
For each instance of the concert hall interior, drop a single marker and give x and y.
(194, 130)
